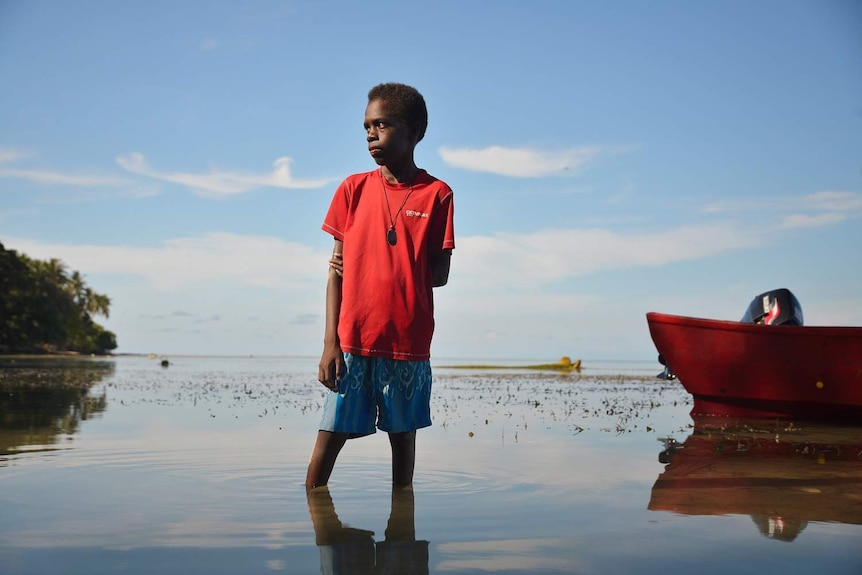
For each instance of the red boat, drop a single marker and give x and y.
(767, 365)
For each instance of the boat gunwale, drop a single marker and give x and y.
(730, 325)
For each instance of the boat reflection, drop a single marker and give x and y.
(44, 400)
(782, 475)
(345, 549)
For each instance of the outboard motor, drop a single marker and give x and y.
(667, 374)
(776, 307)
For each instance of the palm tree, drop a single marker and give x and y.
(99, 304)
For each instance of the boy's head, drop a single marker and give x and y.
(405, 103)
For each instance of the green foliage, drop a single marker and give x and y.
(45, 309)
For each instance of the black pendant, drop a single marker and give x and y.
(391, 237)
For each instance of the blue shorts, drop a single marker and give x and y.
(393, 395)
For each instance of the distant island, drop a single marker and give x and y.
(565, 364)
(46, 309)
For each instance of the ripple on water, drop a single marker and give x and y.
(374, 476)
(213, 465)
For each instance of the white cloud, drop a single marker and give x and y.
(219, 183)
(7, 156)
(824, 208)
(835, 201)
(731, 207)
(257, 261)
(545, 256)
(45, 177)
(503, 264)
(48, 177)
(810, 220)
(509, 291)
(519, 162)
(209, 44)
(820, 208)
(528, 291)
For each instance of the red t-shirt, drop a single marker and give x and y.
(387, 305)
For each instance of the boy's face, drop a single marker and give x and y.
(390, 141)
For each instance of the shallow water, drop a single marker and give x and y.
(120, 465)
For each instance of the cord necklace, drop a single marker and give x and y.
(391, 234)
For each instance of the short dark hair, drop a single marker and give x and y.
(405, 103)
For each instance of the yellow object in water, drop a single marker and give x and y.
(565, 364)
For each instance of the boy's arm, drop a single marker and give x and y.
(440, 268)
(332, 368)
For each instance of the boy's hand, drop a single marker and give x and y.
(336, 264)
(332, 368)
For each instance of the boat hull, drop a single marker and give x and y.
(749, 370)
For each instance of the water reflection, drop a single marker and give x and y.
(43, 400)
(345, 549)
(780, 474)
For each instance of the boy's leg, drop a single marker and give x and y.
(404, 403)
(348, 413)
(403, 457)
(323, 456)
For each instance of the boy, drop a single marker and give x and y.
(393, 230)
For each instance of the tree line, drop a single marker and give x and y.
(46, 309)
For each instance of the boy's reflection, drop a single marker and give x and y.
(345, 549)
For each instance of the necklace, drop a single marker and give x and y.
(391, 234)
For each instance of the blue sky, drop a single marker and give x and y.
(608, 159)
